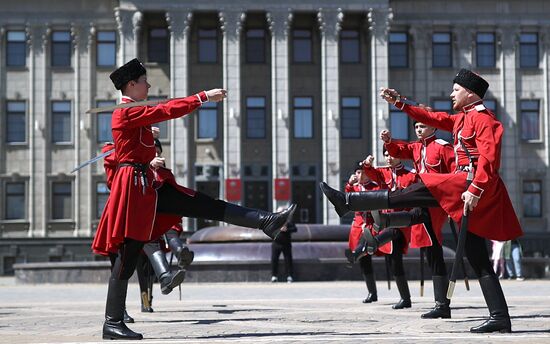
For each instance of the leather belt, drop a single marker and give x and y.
(140, 172)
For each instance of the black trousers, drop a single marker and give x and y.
(276, 249)
(171, 201)
(366, 265)
(123, 263)
(434, 253)
(396, 257)
(418, 195)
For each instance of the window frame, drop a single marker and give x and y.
(358, 123)
(16, 113)
(525, 193)
(448, 45)
(12, 44)
(442, 134)
(300, 107)
(522, 45)
(53, 114)
(106, 43)
(60, 44)
(209, 106)
(99, 116)
(393, 111)
(206, 39)
(522, 112)
(97, 195)
(259, 40)
(264, 119)
(53, 194)
(6, 201)
(306, 39)
(163, 49)
(343, 40)
(493, 49)
(391, 62)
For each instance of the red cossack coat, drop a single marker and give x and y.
(361, 217)
(130, 211)
(430, 155)
(398, 177)
(494, 217)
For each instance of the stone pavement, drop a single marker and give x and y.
(308, 312)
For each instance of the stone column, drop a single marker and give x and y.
(39, 38)
(77, 45)
(329, 26)
(129, 27)
(379, 25)
(544, 51)
(507, 38)
(420, 49)
(87, 122)
(279, 25)
(465, 42)
(231, 24)
(179, 26)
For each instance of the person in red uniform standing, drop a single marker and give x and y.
(491, 214)
(135, 205)
(430, 155)
(362, 220)
(393, 241)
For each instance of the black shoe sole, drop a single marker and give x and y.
(178, 279)
(185, 258)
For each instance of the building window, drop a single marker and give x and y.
(528, 50)
(442, 55)
(208, 121)
(61, 49)
(16, 49)
(101, 195)
(255, 118)
(301, 46)
(61, 200)
(445, 106)
(485, 49)
(255, 46)
(398, 50)
(104, 132)
(61, 121)
(399, 124)
(208, 45)
(15, 122)
(350, 51)
(158, 45)
(106, 49)
(532, 198)
(350, 124)
(15, 201)
(303, 118)
(530, 120)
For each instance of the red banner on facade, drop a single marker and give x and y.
(282, 189)
(233, 190)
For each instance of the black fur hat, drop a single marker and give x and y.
(471, 81)
(358, 166)
(130, 71)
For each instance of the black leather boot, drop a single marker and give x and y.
(397, 219)
(146, 306)
(269, 223)
(182, 252)
(114, 327)
(441, 309)
(127, 318)
(403, 288)
(168, 280)
(355, 201)
(499, 319)
(371, 287)
(368, 244)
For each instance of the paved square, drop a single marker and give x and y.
(308, 312)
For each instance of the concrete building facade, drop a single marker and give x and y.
(302, 106)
